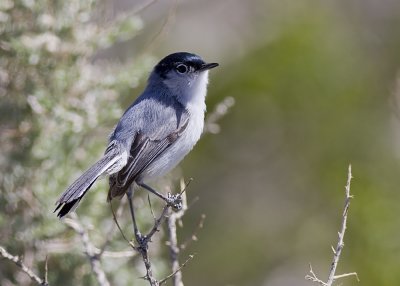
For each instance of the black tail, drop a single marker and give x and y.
(70, 198)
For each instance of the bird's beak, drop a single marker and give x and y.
(209, 66)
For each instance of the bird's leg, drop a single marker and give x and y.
(175, 201)
(142, 241)
(138, 235)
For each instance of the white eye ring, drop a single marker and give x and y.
(182, 68)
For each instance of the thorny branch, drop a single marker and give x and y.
(337, 252)
(143, 241)
(89, 249)
(17, 260)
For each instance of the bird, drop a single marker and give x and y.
(153, 135)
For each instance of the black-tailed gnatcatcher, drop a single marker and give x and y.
(155, 132)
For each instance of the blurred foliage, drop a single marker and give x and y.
(308, 102)
(53, 95)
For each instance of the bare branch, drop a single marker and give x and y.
(193, 237)
(338, 250)
(89, 249)
(340, 244)
(17, 260)
(312, 277)
(173, 218)
(173, 244)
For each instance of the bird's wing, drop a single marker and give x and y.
(146, 147)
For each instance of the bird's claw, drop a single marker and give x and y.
(175, 201)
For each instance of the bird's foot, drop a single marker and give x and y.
(175, 201)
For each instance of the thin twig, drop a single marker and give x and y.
(312, 277)
(151, 207)
(17, 260)
(338, 250)
(89, 249)
(120, 229)
(164, 26)
(193, 237)
(347, 275)
(157, 223)
(111, 231)
(173, 274)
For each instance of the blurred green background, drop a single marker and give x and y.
(316, 88)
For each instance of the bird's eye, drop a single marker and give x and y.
(181, 68)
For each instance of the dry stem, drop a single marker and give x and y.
(338, 250)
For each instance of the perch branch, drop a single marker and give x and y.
(142, 241)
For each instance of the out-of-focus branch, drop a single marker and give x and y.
(89, 249)
(337, 252)
(17, 260)
(173, 219)
(193, 237)
(174, 250)
(220, 110)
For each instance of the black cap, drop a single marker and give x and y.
(172, 61)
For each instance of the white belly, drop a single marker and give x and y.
(177, 151)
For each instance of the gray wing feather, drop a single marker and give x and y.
(150, 142)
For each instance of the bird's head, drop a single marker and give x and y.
(184, 74)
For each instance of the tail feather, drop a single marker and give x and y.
(71, 197)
